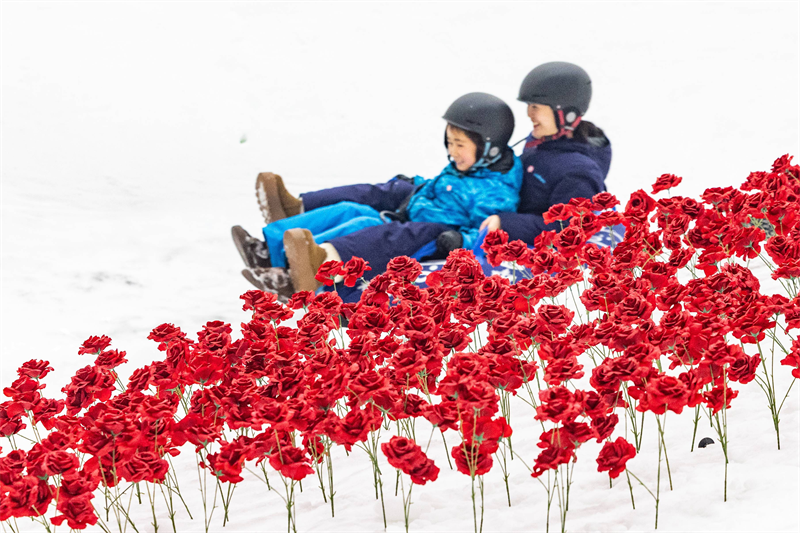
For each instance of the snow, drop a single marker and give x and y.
(132, 134)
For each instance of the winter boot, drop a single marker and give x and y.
(254, 252)
(304, 257)
(763, 223)
(275, 202)
(275, 280)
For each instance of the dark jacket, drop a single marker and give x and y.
(554, 172)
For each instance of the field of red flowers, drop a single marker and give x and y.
(669, 321)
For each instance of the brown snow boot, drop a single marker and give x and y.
(254, 251)
(275, 202)
(304, 257)
(275, 280)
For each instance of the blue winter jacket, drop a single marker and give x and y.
(465, 200)
(554, 172)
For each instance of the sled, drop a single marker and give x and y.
(606, 238)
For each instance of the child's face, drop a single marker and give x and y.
(461, 149)
(544, 120)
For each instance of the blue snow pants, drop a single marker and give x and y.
(376, 244)
(325, 223)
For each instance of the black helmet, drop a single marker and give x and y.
(489, 117)
(562, 86)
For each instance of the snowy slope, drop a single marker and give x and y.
(132, 134)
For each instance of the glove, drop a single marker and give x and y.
(447, 241)
(404, 178)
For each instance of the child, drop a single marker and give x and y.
(564, 157)
(483, 178)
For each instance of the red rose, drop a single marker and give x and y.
(604, 426)
(94, 345)
(404, 454)
(604, 200)
(35, 369)
(89, 384)
(743, 368)
(300, 299)
(516, 251)
(664, 182)
(328, 271)
(665, 392)
(570, 240)
(291, 462)
(614, 456)
(27, 496)
(470, 461)
(793, 360)
(353, 270)
(719, 396)
(78, 512)
(560, 370)
(550, 458)
(366, 384)
(493, 245)
(442, 415)
(639, 206)
(110, 359)
(558, 405)
(558, 212)
(634, 308)
(782, 163)
(354, 427)
(165, 333)
(554, 318)
(403, 268)
(144, 466)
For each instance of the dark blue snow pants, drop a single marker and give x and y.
(383, 197)
(377, 244)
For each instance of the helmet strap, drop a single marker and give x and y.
(484, 160)
(564, 129)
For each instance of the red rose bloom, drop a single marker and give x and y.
(353, 270)
(604, 200)
(664, 182)
(403, 268)
(614, 456)
(328, 271)
(94, 345)
(291, 462)
(470, 461)
(639, 206)
(404, 454)
(35, 369)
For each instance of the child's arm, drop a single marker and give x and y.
(499, 194)
(528, 226)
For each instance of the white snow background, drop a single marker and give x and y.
(132, 134)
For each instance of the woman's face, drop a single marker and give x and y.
(461, 149)
(544, 120)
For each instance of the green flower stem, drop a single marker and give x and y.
(664, 446)
(696, 420)
(630, 488)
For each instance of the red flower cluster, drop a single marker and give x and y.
(642, 339)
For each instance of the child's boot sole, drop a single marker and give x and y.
(269, 200)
